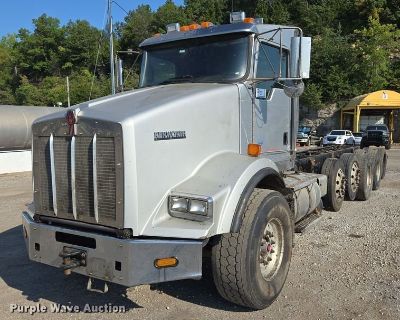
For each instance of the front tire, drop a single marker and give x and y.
(250, 267)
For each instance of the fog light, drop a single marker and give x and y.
(198, 207)
(179, 204)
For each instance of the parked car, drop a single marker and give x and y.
(338, 137)
(307, 136)
(358, 137)
(303, 139)
(376, 135)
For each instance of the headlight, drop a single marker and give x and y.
(179, 204)
(188, 207)
(198, 207)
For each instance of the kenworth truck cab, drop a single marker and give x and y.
(139, 187)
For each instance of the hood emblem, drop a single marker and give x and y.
(71, 121)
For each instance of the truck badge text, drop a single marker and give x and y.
(169, 135)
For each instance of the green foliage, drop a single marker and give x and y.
(215, 11)
(355, 48)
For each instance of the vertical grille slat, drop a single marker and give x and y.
(79, 177)
(84, 176)
(53, 175)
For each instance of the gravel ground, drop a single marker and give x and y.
(346, 266)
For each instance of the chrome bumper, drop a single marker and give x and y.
(105, 254)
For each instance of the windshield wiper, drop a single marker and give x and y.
(185, 78)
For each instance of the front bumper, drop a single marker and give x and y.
(302, 140)
(332, 142)
(105, 254)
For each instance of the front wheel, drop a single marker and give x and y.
(250, 267)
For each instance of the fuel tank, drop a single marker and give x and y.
(16, 122)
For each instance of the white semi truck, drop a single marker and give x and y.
(200, 161)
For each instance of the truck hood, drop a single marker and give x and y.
(168, 132)
(120, 107)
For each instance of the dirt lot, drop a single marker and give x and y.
(346, 266)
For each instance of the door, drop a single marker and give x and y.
(271, 123)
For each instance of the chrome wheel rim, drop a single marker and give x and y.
(340, 185)
(271, 249)
(354, 177)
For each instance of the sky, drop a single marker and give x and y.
(16, 14)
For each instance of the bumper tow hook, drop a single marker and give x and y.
(72, 258)
(91, 288)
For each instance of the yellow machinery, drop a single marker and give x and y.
(384, 100)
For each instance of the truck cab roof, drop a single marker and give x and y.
(242, 27)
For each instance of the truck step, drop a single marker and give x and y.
(303, 224)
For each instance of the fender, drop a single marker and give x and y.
(229, 179)
(274, 180)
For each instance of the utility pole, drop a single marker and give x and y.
(112, 70)
(69, 101)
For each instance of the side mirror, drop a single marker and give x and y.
(300, 58)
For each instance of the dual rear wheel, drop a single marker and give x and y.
(353, 176)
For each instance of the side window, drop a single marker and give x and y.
(269, 62)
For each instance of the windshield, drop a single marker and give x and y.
(383, 128)
(207, 59)
(337, 133)
(304, 129)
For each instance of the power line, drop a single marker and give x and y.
(120, 7)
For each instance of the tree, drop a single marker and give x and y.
(38, 53)
(168, 13)
(214, 11)
(80, 47)
(375, 47)
(138, 26)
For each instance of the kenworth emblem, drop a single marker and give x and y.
(169, 135)
(71, 120)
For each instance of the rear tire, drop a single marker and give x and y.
(365, 186)
(375, 158)
(334, 169)
(352, 172)
(384, 165)
(250, 267)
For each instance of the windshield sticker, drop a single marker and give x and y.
(169, 135)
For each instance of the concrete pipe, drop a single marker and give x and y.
(15, 125)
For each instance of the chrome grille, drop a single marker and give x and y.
(85, 182)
